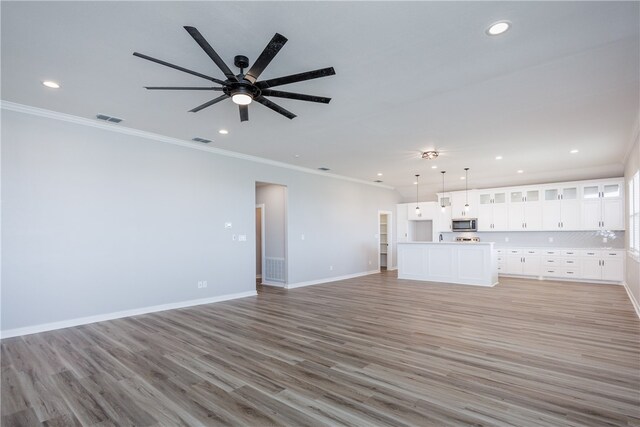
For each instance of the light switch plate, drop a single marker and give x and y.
(227, 225)
(242, 238)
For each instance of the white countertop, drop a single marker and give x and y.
(446, 243)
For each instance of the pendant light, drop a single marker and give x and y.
(466, 189)
(442, 198)
(418, 213)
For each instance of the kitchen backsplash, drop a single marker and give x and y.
(560, 239)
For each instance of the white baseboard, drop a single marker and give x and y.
(330, 279)
(276, 284)
(392, 269)
(119, 314)
(634, 302)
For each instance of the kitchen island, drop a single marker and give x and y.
(448, 262)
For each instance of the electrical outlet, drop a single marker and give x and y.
(302, 237)
(199, 284)
(369, 262)
(506, 239)
(331, 268)
(204, 283)
(550, 239)
(242, 238)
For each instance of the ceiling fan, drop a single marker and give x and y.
(243, 88)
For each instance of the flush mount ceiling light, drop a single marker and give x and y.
(223, 131)
(379, 173)
(573, 151)
(430, 155)
(497, 28)
(520, 171)
(498, 157)
(434, 167)
(51, 84)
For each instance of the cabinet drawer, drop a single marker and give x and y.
(551, 252)
(571, 272)
(551, 261)
(531, 252)
(590, 253)
(514, 251)
(551, 272)
(571, 263)
(612, 254)
(569, 253)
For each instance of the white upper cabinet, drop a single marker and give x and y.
(492, 210)
(569, 206)
(561, 208)
(458, 201)
(602, 205)
(524, 209)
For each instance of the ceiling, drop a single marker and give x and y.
(410, 76)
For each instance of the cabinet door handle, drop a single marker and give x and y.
(603, 263)
(558, 225)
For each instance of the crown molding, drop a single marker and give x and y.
(41, 112)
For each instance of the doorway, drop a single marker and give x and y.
(385, 238)
(259, 243)
(271, 242)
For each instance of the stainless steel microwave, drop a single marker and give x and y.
(464, 224)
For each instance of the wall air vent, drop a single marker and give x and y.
(108, 118)
(324, 169)
(198, 139)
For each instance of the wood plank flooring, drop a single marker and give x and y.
(371, 351)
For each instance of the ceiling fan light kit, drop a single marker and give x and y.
(244, 88)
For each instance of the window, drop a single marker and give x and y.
(634, 215)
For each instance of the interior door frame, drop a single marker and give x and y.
(389, 215)
(261, 206)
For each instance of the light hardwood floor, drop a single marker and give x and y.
(368, 351)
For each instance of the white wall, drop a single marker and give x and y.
(633, 267)
(95, 222)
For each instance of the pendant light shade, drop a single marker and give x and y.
(418, 213)
(442, 198)
(466, 189)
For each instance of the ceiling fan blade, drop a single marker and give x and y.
(209, 103)
(278, 81)
(298, 96)
(177, 67)
(265, 57)
(212, 53)
(181, 88)
(244, 113)
(275, 107)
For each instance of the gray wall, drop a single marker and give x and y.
(633, 267)
(95, 222)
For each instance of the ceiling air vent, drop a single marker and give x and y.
(108, 118)
(324, 169)
(378, 181)
(198, 139)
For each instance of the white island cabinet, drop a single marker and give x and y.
(448, 262)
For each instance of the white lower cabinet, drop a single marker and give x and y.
(579, 264)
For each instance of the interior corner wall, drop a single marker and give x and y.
(275, 217)
(632, 273)
(97, 222)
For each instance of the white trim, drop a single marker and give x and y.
(330, 279)
(275, 284)
(262, 237)
(27, 330)
(562, 279)
(634, 302)
(392, 268)
(20, 108)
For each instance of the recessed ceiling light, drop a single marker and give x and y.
(52, 85)
(434, 167)
(498, 28)
(296, 155)
(462, 177)
(520, 171)
(498, 157)
(573, 151)
(379, 173)
(415, 182)
(223, 131)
